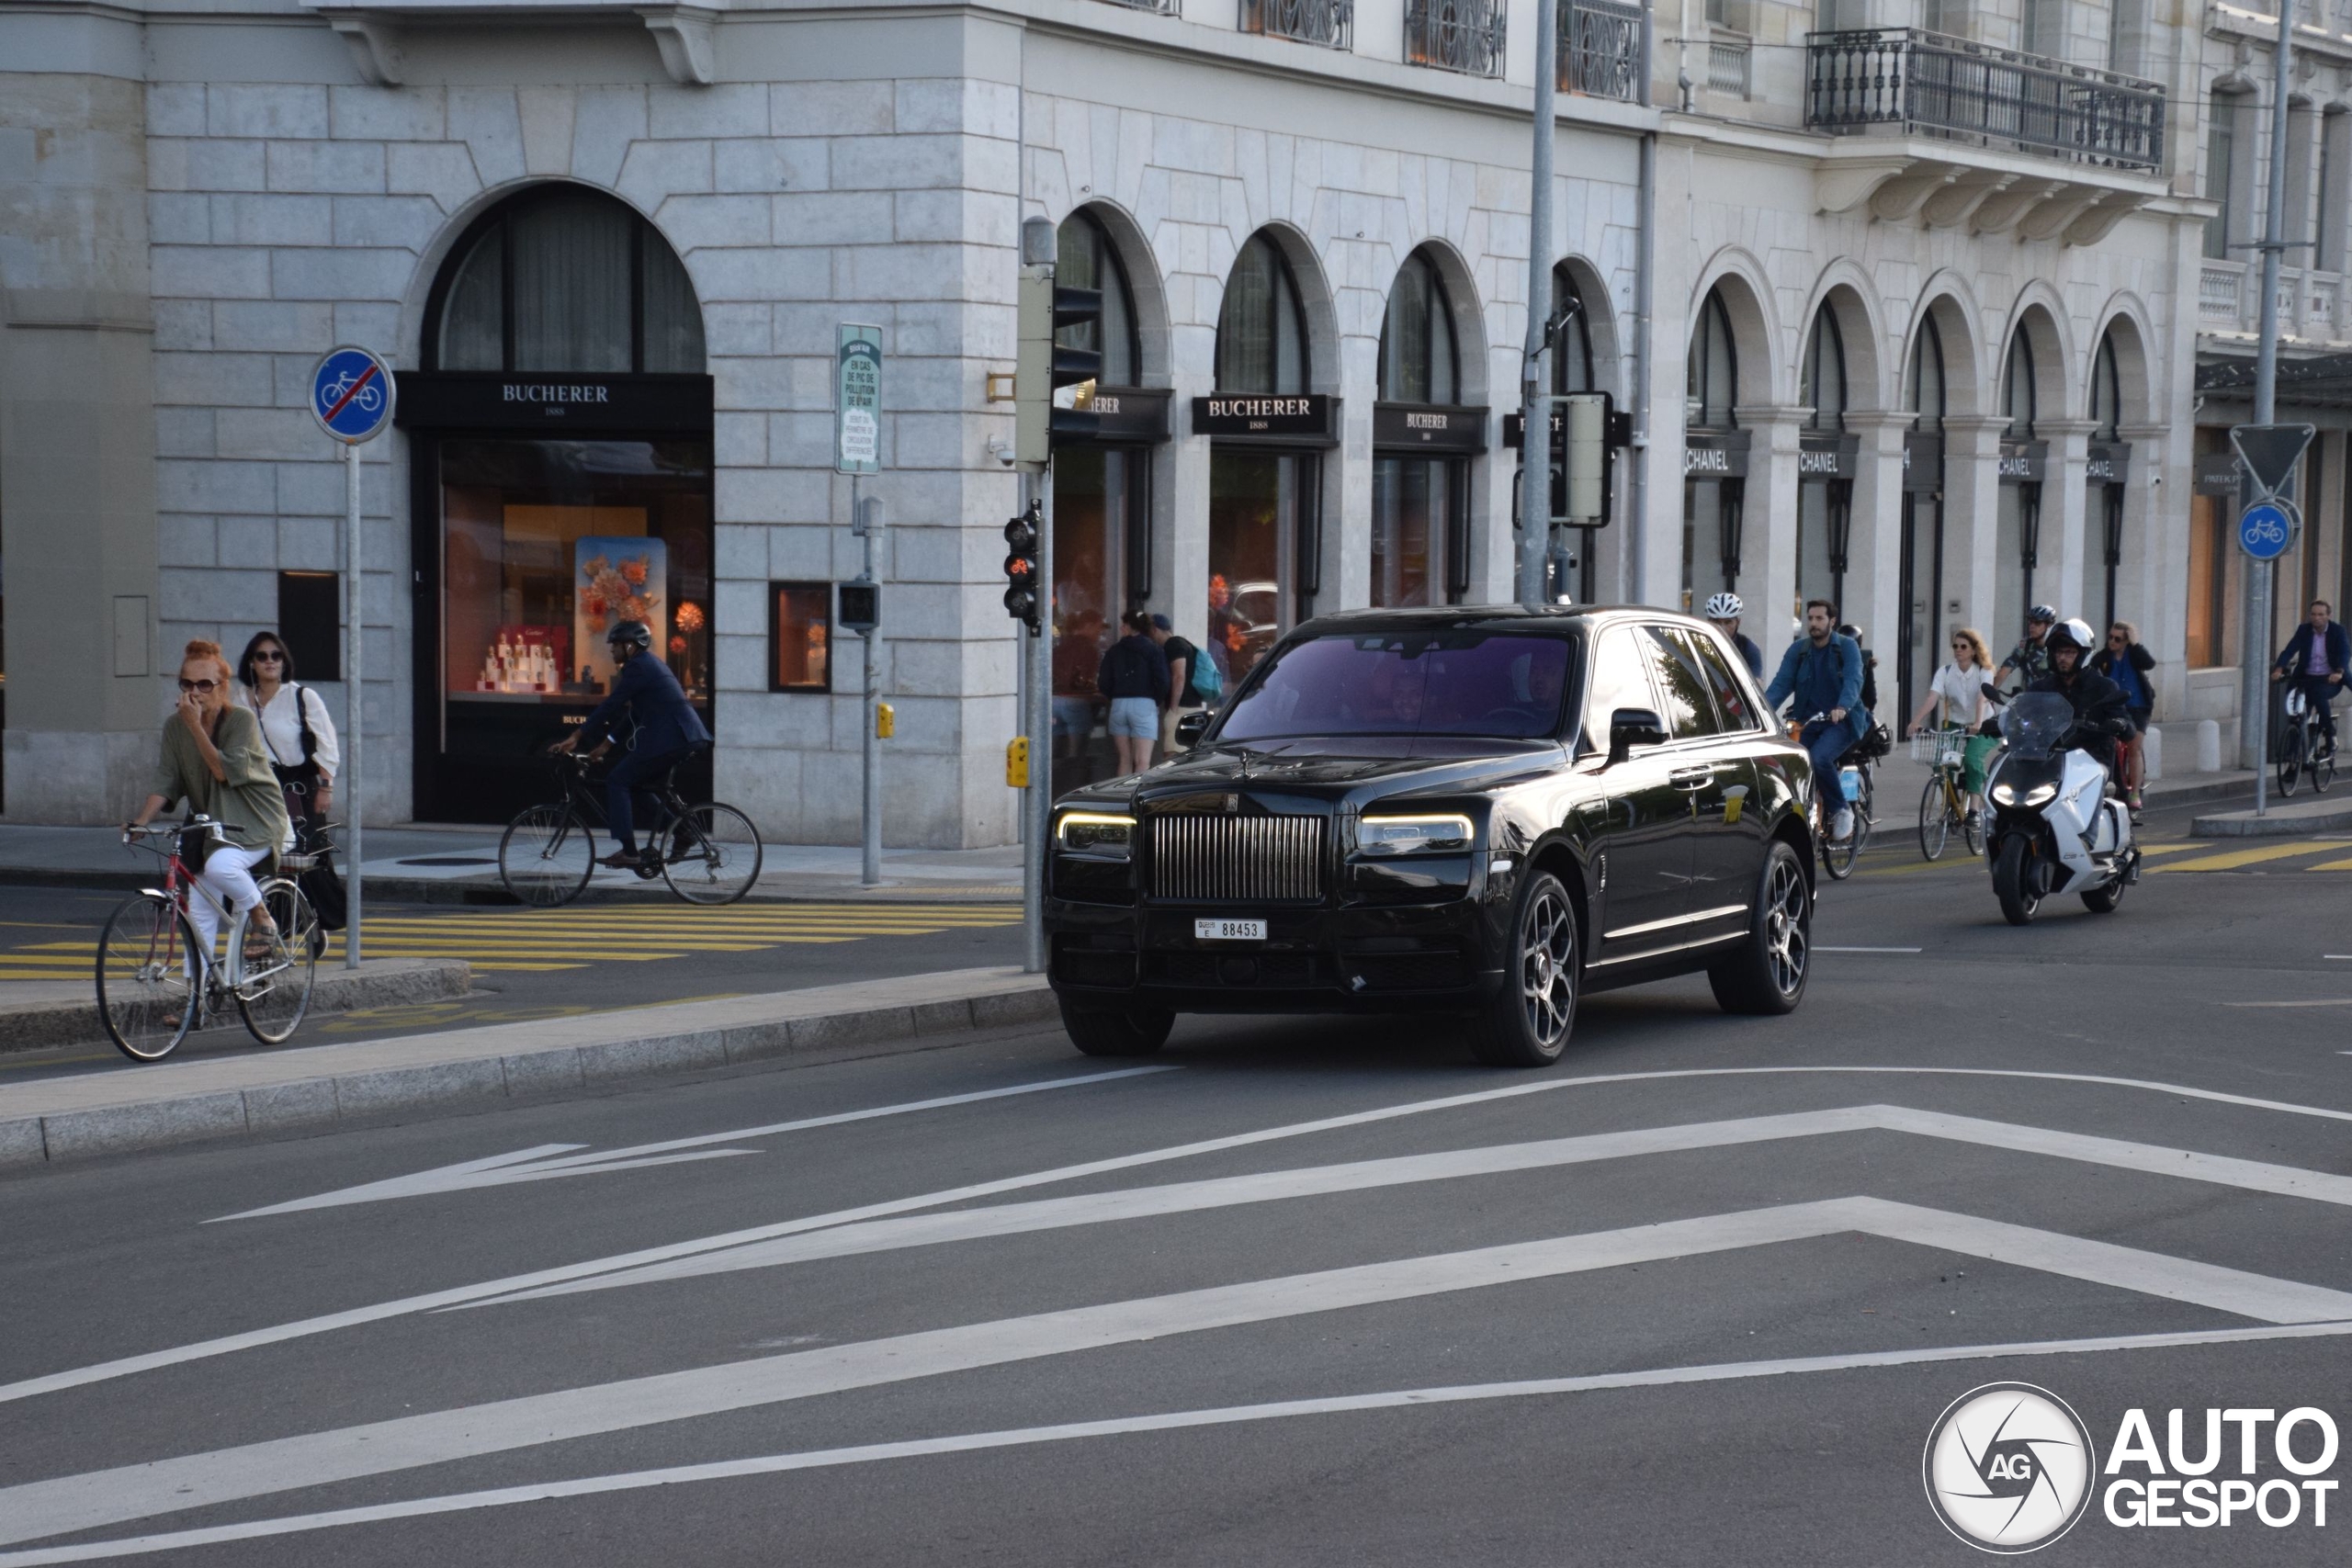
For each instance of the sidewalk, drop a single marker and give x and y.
(459, 864)
(126, 1108)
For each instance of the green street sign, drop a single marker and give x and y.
(857, 400)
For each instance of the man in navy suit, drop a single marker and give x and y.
(2315, 659)
(667, 728)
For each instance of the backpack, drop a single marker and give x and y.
(1205, 679)
(1870, 682)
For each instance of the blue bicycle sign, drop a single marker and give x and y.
(2266, 530)
(351, 394)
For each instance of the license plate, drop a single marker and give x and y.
(1229, 930)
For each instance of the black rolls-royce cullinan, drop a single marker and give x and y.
(1477, 811)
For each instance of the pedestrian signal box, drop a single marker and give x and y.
(1016, 763)
(860, 609)
(886, 721)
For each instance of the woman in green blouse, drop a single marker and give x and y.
(212, 758)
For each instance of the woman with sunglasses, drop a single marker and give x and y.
(212, 758)
(2131, 666)
(1958, 686)
(295, 728)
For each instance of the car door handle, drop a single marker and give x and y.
(1691, 778)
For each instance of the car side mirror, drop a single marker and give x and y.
(1629, 727)
(1191, 728)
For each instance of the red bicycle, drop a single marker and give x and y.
(155, 979)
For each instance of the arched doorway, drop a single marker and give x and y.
(561, 429)
(1714, 456)
(1269, 433)
(2018, 516)
(1102, 538)
(1826, 456)
(2107, 469)
(1920, 632)
(1422, 442)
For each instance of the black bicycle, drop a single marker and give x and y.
(2301, 749)
(707, 854)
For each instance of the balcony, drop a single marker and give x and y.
(1329, 23)
(1157, 7)
(1455, 35)
(2311, 303)
(1600, 48)
(1728, 66)
(1928, 83)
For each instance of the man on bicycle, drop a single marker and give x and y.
(667, 727)
(1822, 669)
(2030, 657)
(1724, 609)
(2315, 659)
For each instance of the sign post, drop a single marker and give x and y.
(857, 451)
(351, 397)
(2266, 530)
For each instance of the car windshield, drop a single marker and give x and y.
(1444, 682)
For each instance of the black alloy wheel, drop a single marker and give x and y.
(1765, 974)
(1528, 1020)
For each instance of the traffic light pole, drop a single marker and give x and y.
(1037, 650)
(870, 867)
(1535, 408)
(2254, 686)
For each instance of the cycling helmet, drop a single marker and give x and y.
(630, 634)
(1724, 607)
(2072, 634)
(2041, 612)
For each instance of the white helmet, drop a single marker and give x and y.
(2073, 631)
(1724, 607)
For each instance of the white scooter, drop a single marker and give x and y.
(2055, 829)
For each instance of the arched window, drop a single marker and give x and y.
(1923, 380)
(2017, 389)
(564, 278)
(1713, 374)
(1085, 259)
(1822, 385)
(1262, 329)
(1418, 363)
(2106, 390)
(1572, 369)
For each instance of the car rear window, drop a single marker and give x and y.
(1478, 683)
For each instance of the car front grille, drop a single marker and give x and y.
(1199, 857)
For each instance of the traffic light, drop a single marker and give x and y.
(1047, 364)
(1020, 601)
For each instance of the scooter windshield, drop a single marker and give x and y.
(2034, 723)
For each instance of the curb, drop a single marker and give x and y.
(2283, 822)
(381, 981)
(326, 1100)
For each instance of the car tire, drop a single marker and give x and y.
(1532, 1014)
(1117, 1032)
(1766, 976)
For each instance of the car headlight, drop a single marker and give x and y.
(1105, 835)
(1447, 834)
(2004, 795)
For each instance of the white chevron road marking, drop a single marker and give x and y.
(1127, 1425)
(98, 1498)
(352, 1317)
(542, 1163)
(1144, 1203)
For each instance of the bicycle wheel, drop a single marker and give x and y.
(713, 855)
(546, 856)
(2322, 770)
(1971, 827)
(146, 994)
(1935, 818)
(2291, 761)
(274, 997)
(1837, 856)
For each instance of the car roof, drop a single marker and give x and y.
(1562, 618)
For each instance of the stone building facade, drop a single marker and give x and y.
(656, 218)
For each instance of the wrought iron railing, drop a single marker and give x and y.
(1601, 48)
(1947, 86)
(1331, 23)
(1727, 66)
(1455, 35)
(1161, 7)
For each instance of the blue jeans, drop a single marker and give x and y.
(628, 777)
(1827, 741)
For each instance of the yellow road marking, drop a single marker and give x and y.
(2230, 860)
(2170, 849)
(2331, 865)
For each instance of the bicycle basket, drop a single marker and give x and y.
(1935, 748)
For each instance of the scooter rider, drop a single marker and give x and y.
(2100, 714)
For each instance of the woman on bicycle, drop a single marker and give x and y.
(1958, 686)
(212, 758)
(2131, 666)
